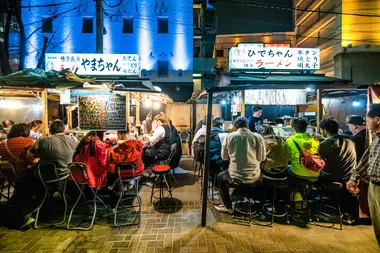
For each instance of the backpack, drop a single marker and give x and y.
(312, 162)
(199, 148)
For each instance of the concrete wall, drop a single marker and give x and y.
(175, 47)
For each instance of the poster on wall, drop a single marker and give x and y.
(95, 64)
(274, 58)
(102, 113)
(275, 97)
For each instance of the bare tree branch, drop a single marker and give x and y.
(60, 43)
(44, 5)
(42, 56)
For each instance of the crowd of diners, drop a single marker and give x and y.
(253, 151)
(25, 148)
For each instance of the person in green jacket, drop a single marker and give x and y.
(307, 143)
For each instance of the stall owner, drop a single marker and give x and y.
(255, 121)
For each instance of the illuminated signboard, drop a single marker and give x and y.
(255, 45)
(95, 64)
(274, 58)
(275, 97)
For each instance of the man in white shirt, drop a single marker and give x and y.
(245, 151)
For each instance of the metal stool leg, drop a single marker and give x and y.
(154, 183)
(75, 204)
(39, 210)
(168, 188)
(320, 203)
(273, 204)
(64, 200)
(339, 212)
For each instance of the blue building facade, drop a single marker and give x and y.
(159, 31)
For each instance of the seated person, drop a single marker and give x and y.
(129, 151)
(7, 124)
(307, 143)
(217, 137)
(92, 151)
(159, 144)
(124, 135)
(57, 148)
(245, 151)
(338, 151)
(14, 149)
(276, 157)
(35, 129)
(178, 152)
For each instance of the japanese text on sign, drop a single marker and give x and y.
(275, 97)
(95, 64)
(274, 58)
(102, 113)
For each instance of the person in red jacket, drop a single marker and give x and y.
(127, 152)
(92, 151)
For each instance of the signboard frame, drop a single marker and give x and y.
(95, 64)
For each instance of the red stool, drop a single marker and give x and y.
(161, 171)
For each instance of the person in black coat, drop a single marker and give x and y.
(255, 121)
(175, 139)
(357, 126)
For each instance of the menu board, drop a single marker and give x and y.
(102, 112)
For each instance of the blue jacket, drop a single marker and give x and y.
(216, 146)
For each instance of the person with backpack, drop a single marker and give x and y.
(217, 137)
(299, 145)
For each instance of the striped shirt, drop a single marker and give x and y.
(19, 147)
(369, 165)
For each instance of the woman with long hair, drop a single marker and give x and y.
(35, 129)
(92, 151)
(159, 144)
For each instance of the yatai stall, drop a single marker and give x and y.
(267, 76)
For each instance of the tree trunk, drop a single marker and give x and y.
(5, 66)
(41, 60)
(17, 5)
(7, 31)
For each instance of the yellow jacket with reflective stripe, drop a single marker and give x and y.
(307, 143)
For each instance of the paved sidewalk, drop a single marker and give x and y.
(181, 232)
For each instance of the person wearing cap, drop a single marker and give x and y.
(245, 151)
(255, 121)
(369, 168)
(357, 126)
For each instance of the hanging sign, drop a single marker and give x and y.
(274, 58)
(102, 113)
(95, 64)
(275, 97)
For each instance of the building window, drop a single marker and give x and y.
(88, 25)
(163, 68)
(219, 53)
(47, 25)
(163, 25)
(127, 25)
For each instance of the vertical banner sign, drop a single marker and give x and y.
(102, 113)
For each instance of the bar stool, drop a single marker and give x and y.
(335, 188)
(161, 171)
(302, 185)
(49, 175)
(276, 183)
(242, 192)
(8, 173)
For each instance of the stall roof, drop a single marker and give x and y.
(280, 81)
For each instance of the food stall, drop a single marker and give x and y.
(267, 69)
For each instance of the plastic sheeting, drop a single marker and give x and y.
(20, 110)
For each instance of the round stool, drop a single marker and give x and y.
(161, 171)
(243, 191)
(302, 185)
(276, 184)
(335, 188)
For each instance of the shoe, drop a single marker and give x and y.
(348, 220)
(223, 209)
(57, 195)
(29, 221)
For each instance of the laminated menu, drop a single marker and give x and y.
(102, 112)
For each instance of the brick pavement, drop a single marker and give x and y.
(181, 232)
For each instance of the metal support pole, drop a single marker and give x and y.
(207, 159)
(319, 109)
(99, 26)
(45, 112)
(242, 106)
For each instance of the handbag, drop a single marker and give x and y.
(310, 161)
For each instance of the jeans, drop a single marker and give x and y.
(374, 207)
(224, 179)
